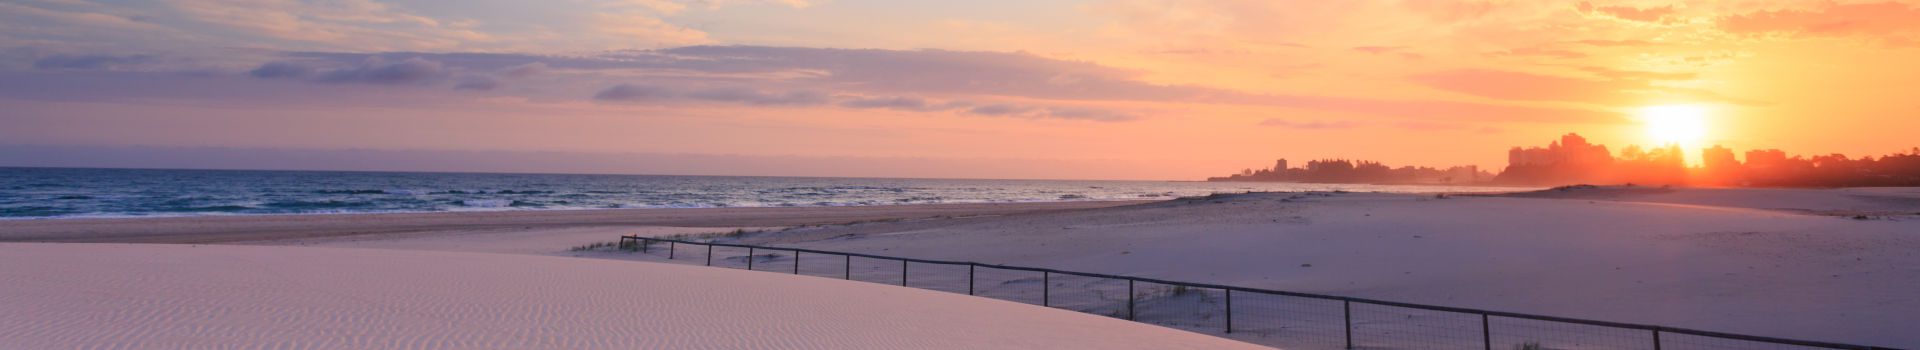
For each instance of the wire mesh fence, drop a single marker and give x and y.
(1288, 322)
(1007, 284)
(1089, 294)
(1277, 318)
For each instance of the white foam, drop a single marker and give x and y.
(487, 203)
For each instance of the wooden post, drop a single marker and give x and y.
(749, 258)
(796, 262)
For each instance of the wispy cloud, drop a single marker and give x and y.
(88, 62)
(1661, 14)
(1310, 125)
(1828, 19)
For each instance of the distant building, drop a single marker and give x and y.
(1566, 161)
(1280, 166)
(1766, 159)
(1571, 150)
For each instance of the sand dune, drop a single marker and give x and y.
(112, 296)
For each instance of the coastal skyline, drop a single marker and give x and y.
(1055, 89)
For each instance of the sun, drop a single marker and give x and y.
(1685, 125)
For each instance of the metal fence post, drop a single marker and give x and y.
(903, 273)
(1130, 316)
(1346, 307)
(1486, 332)
(709, 254)
(1046, 285)
(670, 246)
(796, 262)
(1656, 339)
(1229, 310)
(969, 279)
(849, 266)
(749, 258)
(643, 244)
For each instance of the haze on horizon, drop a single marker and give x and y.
(1115, 89)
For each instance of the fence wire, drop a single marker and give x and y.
(1275, 318)
(1288, 322)
(941, 277)
(883, 271)
(1518, 333)
(1006, 284)
(1094, 295)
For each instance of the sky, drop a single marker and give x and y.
(1088, 89)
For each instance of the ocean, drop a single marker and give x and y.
(39, 193)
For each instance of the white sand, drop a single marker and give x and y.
(1773, 262)
(108, 296)
(1874, 201)
(1684, 258)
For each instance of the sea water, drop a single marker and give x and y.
(29, 193)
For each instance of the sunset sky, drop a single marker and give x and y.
(1116, 89)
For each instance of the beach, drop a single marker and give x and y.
(253, 228)
(1835, 265)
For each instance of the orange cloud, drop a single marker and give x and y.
(1663, 14)
(1508, 85)
(1869, 19)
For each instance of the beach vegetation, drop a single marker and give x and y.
(603, 245)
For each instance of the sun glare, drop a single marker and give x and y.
(1675, 124)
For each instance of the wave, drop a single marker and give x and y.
(404, 192)
(33, 211)
(487, 203)
(506, 203)
(142, 193)
(322, 204)
(350, 191)
(209, 209)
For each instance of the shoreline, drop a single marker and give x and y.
(269, 227)
(510, 210)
